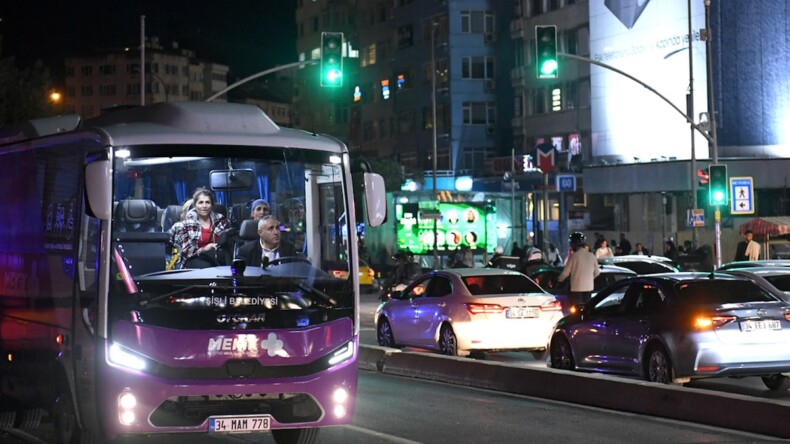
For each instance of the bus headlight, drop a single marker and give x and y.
(126, 404)
(124, 357)
(339, 397)
(344, 353)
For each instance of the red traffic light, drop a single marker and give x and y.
(704, 176)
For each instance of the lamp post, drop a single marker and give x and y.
(513, 191)
(434, 25)
(712, 122)
(690, 113)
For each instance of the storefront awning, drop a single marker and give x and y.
(768, 226)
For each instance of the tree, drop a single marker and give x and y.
(24, 93)
(393, 172)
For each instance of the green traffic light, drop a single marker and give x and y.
(546, 52)
(717, 185)
(549, 67)
(331, 59)
(333, 75)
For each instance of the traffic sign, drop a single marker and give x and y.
(742, 195)
(566, 182)
(695, 217)
(545, 157)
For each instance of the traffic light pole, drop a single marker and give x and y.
(712, 122)
(688, 118)
(709, 135)
(261, 74)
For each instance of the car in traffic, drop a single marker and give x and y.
(368, 281)
(464, 310)
(547, 276)
(670, 328)
(754, 264)
(777, 278)
(640, 264)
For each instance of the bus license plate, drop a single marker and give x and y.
(521, 312)
(239, 424)
(761, 325)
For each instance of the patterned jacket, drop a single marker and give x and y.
(186, 234)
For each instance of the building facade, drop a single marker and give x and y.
(111, 79)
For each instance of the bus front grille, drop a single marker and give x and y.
(189, 411)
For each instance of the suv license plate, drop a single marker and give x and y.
(239, 424)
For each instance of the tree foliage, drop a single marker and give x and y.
(23, 92)
(393, 172)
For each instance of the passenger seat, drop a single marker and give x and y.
(136, 216)
(137, 233)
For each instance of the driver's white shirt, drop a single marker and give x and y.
(271, 254)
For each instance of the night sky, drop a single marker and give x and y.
(247, 35)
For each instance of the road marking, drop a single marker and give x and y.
(392, 438)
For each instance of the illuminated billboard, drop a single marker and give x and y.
(647, 39)
(457, 224)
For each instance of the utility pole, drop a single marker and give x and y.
(142, 60)
(712, 122)
(690, 112)
(435, 149)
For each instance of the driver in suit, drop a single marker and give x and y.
(270, 245)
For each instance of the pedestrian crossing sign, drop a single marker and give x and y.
(695, 217)
(742, 195)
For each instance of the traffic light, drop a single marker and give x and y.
(704, 176)
(718, 192)
(332, 59)
(546, 43)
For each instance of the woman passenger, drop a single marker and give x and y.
(200, 231)
(259, 209)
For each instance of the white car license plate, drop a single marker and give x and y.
(239, 424)
(521, 312)
(761, 325)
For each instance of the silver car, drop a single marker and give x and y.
(777, 278)
(673, 327)
(466, 310)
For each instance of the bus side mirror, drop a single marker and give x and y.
(375, 199)
(97, 189)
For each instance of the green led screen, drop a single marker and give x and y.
(470, 224)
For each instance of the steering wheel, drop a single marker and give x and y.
(288, 260)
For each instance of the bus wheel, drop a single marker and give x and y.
(295, 436)
(65, 419)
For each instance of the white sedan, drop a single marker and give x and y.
(462, 310)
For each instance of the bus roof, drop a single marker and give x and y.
(200, 123)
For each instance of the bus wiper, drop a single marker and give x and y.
(155, 299)
(314, 291)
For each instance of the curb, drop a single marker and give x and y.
(723, 410)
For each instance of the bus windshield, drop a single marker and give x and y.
(229, 237)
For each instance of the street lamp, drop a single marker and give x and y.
(434, 25)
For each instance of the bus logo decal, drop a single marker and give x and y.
(245, 344)
(272, 345)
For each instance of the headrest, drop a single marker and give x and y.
(249, 229)
(137, 211)
(171, 215)
(136, 215)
